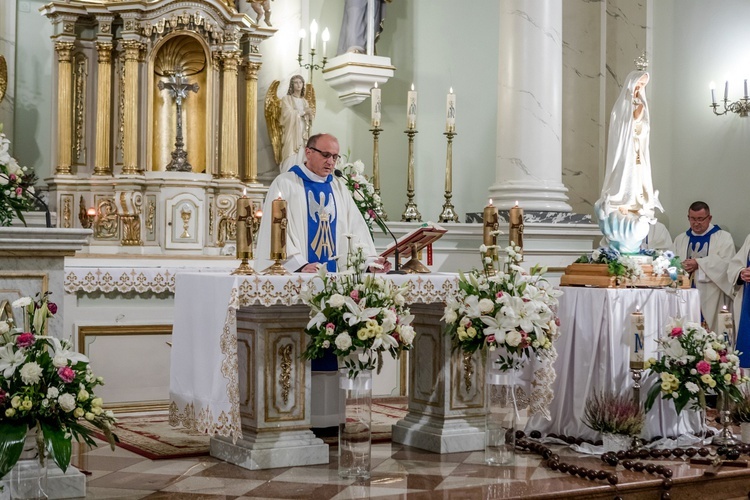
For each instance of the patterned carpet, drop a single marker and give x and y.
(152, 437)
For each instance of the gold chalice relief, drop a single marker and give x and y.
(185, 213)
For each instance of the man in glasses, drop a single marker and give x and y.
(707, 250)
(321, 212)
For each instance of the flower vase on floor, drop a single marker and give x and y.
(28, 478)
(355, 425)
(502, 409)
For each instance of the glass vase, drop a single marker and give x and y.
(355, 425)
(502, 409)
(725, 437)
(28, 478)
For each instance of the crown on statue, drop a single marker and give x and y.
(641, 62)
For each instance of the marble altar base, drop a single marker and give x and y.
(270, 450)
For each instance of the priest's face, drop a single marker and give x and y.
(699, 220)
(323, 156)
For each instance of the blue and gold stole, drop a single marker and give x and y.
(698, 245)
(321, 219)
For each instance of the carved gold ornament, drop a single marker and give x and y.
(3, 77)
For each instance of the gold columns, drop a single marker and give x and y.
(103, 98)
(130, 119)
(229, 152)
(64, 107)
(251, 122)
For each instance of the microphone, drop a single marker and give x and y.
(40, 202)
(397, 270)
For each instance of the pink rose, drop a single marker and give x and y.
(490, 339)
(372, 213)
(354, 295)
(3, 395)
(52, 307)
(356, 185)
(330, 326)
(66, 373)
(25, 340)
(499, 294)
(723, 359)
(676, 332)
(19, 191)
(557, 321)
(703, 367)
(734, 378)
(13, 177)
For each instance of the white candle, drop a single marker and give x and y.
(301, 37)
(313, 34)
(712, 86)
(325, 36)
(726, 90)
(450, 112)
(745, 88)
(636, 340)
(726, 325)
(411, 109)
(375, 103)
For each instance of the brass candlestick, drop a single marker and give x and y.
(448, 214)
(278, 238)
(411, 213)
(379, 210)
(245, 230)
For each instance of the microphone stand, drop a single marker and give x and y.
(397, 270)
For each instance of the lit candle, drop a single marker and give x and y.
(726, 325)
(515, 234)
(411, 109)
(450, 112)
(636, 340)
(375, 103)
(313, 34)
(325, 36)
(278, 229)
(712, 86)
(301, 37)
(490, 220)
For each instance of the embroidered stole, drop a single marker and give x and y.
(321, 219)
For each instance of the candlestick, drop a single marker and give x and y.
(726, 325)
(411, 213)
(636, 339)
(411, 109)
(379, 210)
(448, 214)
(450, 112)
(375, 103)
(244, 229)
(515, 234)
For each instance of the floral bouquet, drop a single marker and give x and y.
(618, 264)
(45, 388)
(611, 413)
(664, 262)
(512, 309)
(693, 362)
(363, 193)
(16, 185)
(353, 312)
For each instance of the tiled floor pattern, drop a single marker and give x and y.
(398, 473)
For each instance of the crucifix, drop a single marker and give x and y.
(178, 88)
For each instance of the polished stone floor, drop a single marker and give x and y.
(398, 473)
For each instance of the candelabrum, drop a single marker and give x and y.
(379, 210)
(448, 214)
(740, 107)
(312, 65)
(411, 213)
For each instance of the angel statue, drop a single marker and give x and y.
(628, 200)
(289, 120)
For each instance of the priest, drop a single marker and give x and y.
(738, 273)
(707, 250)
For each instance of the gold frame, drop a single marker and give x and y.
(123, 330)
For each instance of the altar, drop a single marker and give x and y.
(593, 355)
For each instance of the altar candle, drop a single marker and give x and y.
(726, 90)
(301, 37)
(637, 358)
(516, 220)
(411, 109)
(726, 325)
(278, 229)
(313, 34)
(325, 36)
(375, 103)
(243, 232)
(490, 219)
(450, 112)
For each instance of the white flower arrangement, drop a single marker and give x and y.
(363, 193)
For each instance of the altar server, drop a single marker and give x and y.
(707, 250)
(739, 275)
(321, 212)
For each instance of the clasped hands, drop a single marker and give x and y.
(690, 265)
(312, 267)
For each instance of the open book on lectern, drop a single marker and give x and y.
(418, 239)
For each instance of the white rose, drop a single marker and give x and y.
(336, 301)
(692, 387)
(60, 360)
(399, 300)
(343, 341)
(513, 338)
(407, 334)
(67, 402)
(486, 306)
(326, 344)
(3, 180)
(31, 373)
(450, 316)
(710, 355)
(22, 302)
(52, 393)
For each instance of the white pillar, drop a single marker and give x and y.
(529, 150)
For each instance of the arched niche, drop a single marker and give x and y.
(188, 51)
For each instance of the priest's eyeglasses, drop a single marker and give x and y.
(326, 154)
(698, 219)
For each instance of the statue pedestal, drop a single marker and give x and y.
(353, 75)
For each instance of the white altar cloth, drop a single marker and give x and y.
(204, 386)
(593, 355)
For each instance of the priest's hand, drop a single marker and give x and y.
(382, 265)
(745, 275)
(309, 268)
(690, 265)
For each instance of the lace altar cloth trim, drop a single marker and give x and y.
(122, 279)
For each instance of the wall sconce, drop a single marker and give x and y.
(741, 107)
(86, 216)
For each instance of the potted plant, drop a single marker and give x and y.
(741, 414)
(618, 418)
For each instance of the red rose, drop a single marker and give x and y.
(52, 307)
